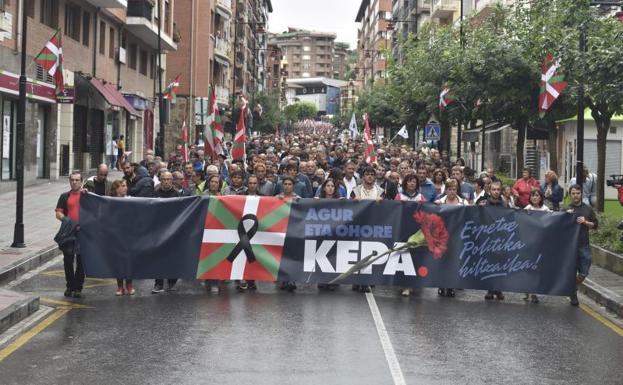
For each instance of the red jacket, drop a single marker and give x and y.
(522, 189)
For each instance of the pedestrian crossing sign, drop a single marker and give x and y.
(432, 131)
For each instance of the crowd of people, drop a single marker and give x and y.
(308, 164)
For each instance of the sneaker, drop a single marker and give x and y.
(499, 296)
(157, 289)
(489, 295)
(534, 298)
(77, 294)
(291, 287)
(251, 286)
(405, 292)
(242, 286)
(574, 300)
(526, 297)
(130, 289)
(67, 293)
(119, 291)
(214, 289)
(171, 288)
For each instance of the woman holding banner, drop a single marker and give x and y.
(328, 191)
(410, 190)
(452, 199)
(119, 189)
(537, 202)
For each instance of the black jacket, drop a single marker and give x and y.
(142, 185)
(67, 237)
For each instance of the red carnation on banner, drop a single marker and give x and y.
(432, 233)
(434, 229)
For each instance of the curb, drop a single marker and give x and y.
(17, 311)
(607, 259)
(19, 268)
(602, 296)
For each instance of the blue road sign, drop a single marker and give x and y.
(432, 131)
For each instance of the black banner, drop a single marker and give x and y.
(141, 237)
(312, 240)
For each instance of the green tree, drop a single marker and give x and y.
(271, 116)
(300, 111)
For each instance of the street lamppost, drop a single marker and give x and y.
(18, 232)
(579, 168)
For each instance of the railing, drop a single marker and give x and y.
(140, 8)
(221, 46)
(444, 4)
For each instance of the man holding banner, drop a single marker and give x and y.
(586, 217)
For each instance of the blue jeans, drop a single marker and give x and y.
(112, 161)
(584, 260)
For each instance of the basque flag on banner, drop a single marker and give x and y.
(243, 238)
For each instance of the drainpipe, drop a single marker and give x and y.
(20, 11)
(95, 39)
(119, 32)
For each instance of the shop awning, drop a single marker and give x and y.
(112, 96)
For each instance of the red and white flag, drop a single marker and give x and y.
(370, 154)
(552, 84)
(210, 136)
(238, 150)
(184, 141)
(51, 60)
(445, 98)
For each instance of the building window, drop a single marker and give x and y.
(86, 28)
(306, 48)
(72, 21)
(132, 53)
(111, 44)
(124, 40)
(49, 13)
(167, 17)
(306, 57)
(102, 38)
(143, 63)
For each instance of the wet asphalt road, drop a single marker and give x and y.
(309, 337)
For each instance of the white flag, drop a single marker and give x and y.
(354, 132)
(403, 132)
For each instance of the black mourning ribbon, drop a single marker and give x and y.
(245, 239)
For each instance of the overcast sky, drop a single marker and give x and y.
(336, 16)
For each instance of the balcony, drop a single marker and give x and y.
(444, 9)
(140, 23)
(223, 8)
(422, 6)
(109, 3)
(222, 95)
(221, 49)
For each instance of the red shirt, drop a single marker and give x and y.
(69, 205)
(522, 189)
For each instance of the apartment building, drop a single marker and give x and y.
(373, 36)
(250, 45)
(273, 67)
(309, 54)
(341, 55)
(110, 50)
(201, 60)
(408, 16)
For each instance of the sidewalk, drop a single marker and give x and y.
(40, 226)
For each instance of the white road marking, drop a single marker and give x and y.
(388, 349)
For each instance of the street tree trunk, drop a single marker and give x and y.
(521, 142)
(603, 126)
(552, 142)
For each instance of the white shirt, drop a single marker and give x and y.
(543, 208)
(444, 199)
(350, 185)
